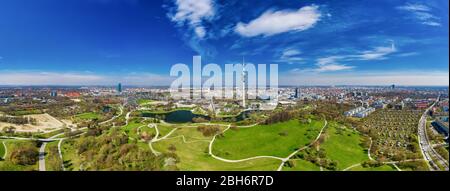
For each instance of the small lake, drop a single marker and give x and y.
(178, 116)
(185, 116)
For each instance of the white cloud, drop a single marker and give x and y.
(200, 31)
(377, 53)
(328, 60)
(194, 13)
(271, 23)
(431, 23)
(406, 54)
(329, 64)
(414, 7)
(333, 63)
(290, 56)
(422, 13)
(290, 52)
(333, 67)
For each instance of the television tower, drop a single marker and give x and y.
(244, 76)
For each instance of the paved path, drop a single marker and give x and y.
(298, 150)
(234, 161)
(42, 157)
(114, 117)
(27, 138)
(283, 160)
(42, 152)
(60, 154)
(184, 139)
(395, 165)
(156, 138)
(127, 117)
(352, 166)
(211, 142)
(6, 150)
(368, 150)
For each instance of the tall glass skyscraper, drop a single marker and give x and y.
(119, 88)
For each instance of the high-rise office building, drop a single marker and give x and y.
(119, 88)
(53, 94)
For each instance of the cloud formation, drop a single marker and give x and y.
(194, 13)
(290, 56)
(377, 53)
(333, 63)
(272, 23)
(422, 13)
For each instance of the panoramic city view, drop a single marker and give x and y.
(208, 85)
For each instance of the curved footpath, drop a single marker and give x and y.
(234, 161)
(210, 147)
(283, 160)
(6, 150)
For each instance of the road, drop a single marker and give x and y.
(426, 147)
(42, 157)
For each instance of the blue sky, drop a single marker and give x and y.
(101, 42)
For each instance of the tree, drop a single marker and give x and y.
(10, 130)
(172, 148)
(27, 155)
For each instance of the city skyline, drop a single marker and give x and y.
(103, 42)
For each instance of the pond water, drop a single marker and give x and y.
(178, 116)
(185, 116)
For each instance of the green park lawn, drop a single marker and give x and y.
(194, 156)
(71, 160)
(88, 116)
(2, 149)
(131, 128)
(278, 139)
(143, 102)
(343, 146)
(380, 168)
(165, 129)
(50, 134)
(6, 165)
(52, 159)
(301, 165)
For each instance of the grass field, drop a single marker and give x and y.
(88, 116)
(2, 149)
(131, 128)
(194, 154)
(6, 165)
(380, 168)
(143, 102)
(52, 160)
(164, 129)
(278, 139)
(301, 165)
(70, 159)
(343, 146)
(50, 134)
